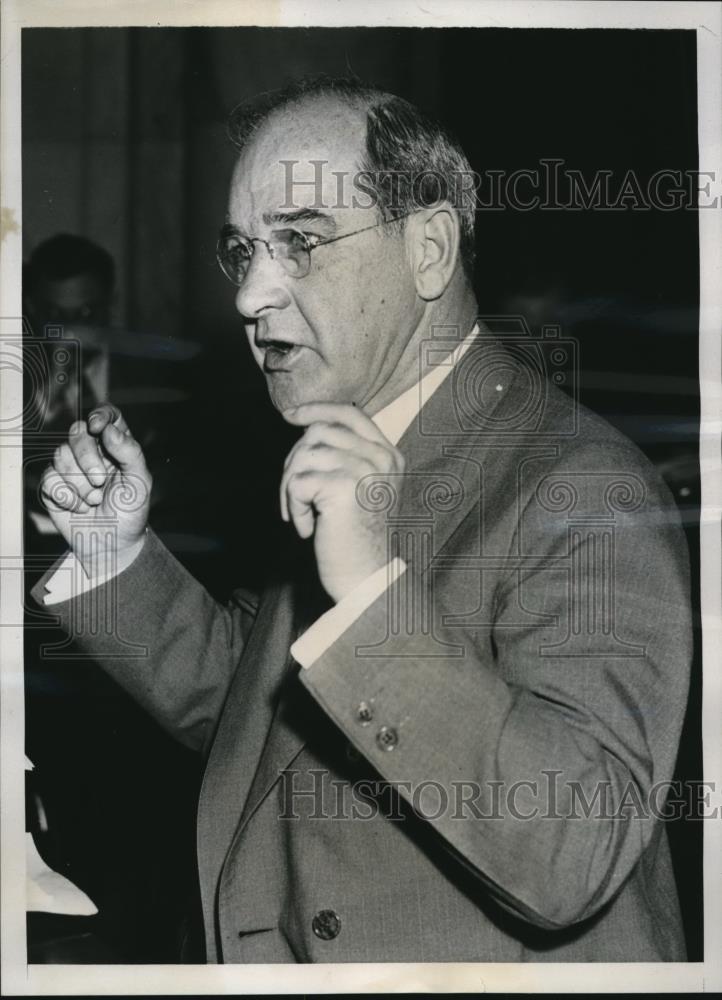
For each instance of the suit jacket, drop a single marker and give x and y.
(474, 770)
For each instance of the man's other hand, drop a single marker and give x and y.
(97, 491)
(341, 445)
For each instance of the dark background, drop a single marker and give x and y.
(124, 143)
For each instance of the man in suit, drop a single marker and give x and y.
(441, 731)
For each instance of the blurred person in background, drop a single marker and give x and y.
(69, 283)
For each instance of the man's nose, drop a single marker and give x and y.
(263, 287)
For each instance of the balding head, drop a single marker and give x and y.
(407, 159)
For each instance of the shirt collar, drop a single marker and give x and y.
(395, 418)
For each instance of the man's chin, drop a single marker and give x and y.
(286, 392)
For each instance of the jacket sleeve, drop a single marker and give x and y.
(162, 637)
(532, 744)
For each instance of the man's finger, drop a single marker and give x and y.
(102, 416)
(124, 450)
(66, 466)
(323, 459)
(307, 460)
(302, 488)
(59, 495)
(87, 454)
(342, 438)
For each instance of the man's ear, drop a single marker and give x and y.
(435, 235)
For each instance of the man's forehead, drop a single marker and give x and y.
(296, 160)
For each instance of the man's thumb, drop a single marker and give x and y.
(105, 414)
(123, 449)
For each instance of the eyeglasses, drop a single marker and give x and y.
(290, 247)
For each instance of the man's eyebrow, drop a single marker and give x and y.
(300, 215)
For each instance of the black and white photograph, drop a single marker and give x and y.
(360, 447)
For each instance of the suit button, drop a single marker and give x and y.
(326, 925)
(387, 738)
(364, 713)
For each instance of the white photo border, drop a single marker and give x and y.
(22, 979)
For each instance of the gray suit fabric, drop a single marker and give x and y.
(540, 637)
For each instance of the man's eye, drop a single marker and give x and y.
(313, 239)
(295, 240)
(238, 249)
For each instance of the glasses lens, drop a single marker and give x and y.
(293, 251)
(234, 256)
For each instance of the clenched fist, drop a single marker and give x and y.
(318, 491)
(99, 473)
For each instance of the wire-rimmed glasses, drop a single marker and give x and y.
(290, 247)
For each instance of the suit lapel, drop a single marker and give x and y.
(286, 740)
(242, 733)
(275, 733)
(444, 444)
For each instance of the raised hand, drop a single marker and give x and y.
(99, 473)
(318, 491)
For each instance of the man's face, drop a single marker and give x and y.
(80, 299)
(336, 334)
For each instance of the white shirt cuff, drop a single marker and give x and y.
(331, 625)
(70, 579)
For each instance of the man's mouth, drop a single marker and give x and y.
(279, 355)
